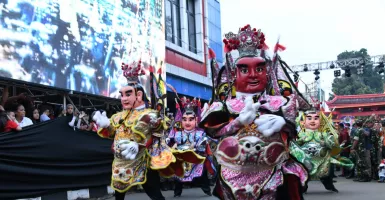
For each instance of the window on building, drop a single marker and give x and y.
(172, 22)
(191, 25)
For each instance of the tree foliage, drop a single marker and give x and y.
(370, 82)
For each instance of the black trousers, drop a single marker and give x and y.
(328, 183)
(203, 181)
(151, 187)
(383, 152)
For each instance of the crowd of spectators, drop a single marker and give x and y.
(21, 111)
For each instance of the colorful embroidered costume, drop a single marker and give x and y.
(139, 146)
(316, 145)
(187, 137)
(255, 124)
(153, 151)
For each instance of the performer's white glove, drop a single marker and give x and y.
(249, 112)
(72, 122)
(129, 149)
(101, 119)
(269, 124)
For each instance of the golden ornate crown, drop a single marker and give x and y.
(248, 41)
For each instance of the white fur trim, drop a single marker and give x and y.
(78, 194)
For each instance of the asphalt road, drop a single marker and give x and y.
(348, 190)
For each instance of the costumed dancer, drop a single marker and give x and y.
(139, 147)
(255, 121)
(316, 145)
(190, 137)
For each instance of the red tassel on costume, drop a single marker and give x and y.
(265, 47)
(285, 139)
(226, 49)
(208, 150)
(105, 133)
(149, 141)
(208, 166)
(211, 54)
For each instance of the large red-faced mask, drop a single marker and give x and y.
(251, 75)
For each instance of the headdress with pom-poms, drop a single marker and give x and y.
(133, 71)
(187, 105)
(249, 42)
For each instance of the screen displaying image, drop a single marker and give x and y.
(79, 45)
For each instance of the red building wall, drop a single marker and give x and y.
(185, 62)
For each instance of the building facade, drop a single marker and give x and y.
(191, 26)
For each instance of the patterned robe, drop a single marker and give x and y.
(146, 128)
(313, 149)
(252, 165)
(184, 140)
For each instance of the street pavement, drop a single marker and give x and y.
(348, 190)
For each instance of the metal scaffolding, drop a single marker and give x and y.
(339, 64)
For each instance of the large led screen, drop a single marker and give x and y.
(79, 45)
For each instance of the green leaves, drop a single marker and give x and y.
(370, 82)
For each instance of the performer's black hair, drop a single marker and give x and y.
(3, 120)
(189, 112)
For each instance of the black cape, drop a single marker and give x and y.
(52, 157)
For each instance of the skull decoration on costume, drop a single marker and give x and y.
(316, 145)
(255, 126)
(138, 134)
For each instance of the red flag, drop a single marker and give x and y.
(279, 47)
(211, 54)
(152, 69)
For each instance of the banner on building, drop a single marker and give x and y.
(52, 157)
(79, 45)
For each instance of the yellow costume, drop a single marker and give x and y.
(146, 128)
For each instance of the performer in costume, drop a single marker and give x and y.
(316, 145)
(255, 127)
(188, 136)
(139, 147)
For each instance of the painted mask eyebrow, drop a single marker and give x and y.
(261, 64)
(242, 65)
(127, 92)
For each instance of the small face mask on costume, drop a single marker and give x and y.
(129, 99)
(251, 75)
(189, 122)
(312, 121)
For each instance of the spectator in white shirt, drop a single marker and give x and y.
(21, 118)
